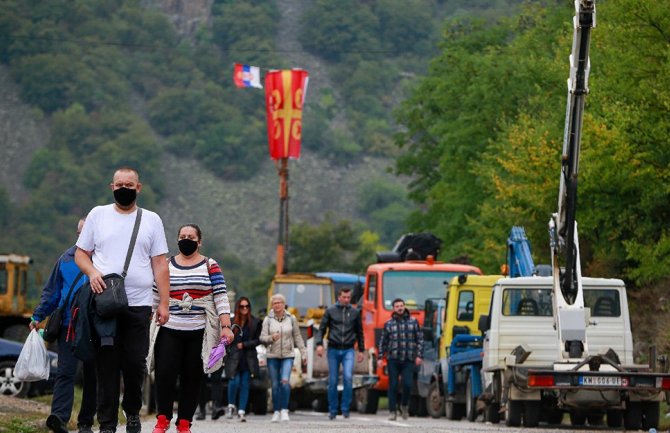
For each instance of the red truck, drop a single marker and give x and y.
(415, 281)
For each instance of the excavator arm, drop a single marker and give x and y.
(568, 295)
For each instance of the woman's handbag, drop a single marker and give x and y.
(113, 300)
(52, 330)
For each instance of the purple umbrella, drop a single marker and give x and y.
(218, 352)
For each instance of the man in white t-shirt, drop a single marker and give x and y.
(101, 249)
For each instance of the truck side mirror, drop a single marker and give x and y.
(484, 324)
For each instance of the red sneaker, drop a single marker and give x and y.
(162, 424)
(183, 426)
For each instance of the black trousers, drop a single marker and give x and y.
(125, 358)
(63, 396)
(177, 355)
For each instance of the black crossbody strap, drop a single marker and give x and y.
(133, 238)
(74, 284)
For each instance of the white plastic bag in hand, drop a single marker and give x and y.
(33, 362)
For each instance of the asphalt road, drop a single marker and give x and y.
(313, 422)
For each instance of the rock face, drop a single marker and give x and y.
(186, 15)
(22, 132)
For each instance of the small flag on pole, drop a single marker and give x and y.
(247, 76)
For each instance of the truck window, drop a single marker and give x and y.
(603, 302)
(527, 302)
(414, 287)
(3, 279)
(372, 288)
(305, 295)
(466, 306)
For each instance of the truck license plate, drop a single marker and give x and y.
(600, 380)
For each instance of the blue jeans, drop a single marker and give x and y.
(241, 382)
(280, 374)
(337, 357)
(406, 370)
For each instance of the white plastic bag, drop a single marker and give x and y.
(33, 362)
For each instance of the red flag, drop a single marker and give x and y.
(284, 97)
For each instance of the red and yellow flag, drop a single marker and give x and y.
(284, 98)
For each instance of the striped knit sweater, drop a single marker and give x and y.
(195, 281)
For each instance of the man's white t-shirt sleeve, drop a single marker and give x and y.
(159, 246)
(85, 240)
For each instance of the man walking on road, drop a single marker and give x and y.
(345, 330)
(401, 344)
(101, 250)
(64, 282)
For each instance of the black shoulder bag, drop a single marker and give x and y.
(52, 330)
(113, 300)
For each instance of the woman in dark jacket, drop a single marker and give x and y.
(241, 364)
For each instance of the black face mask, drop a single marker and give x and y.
(125, 196)
(187, 246)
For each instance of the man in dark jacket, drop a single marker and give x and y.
(64, 282)
(344, 327)
(401, 344)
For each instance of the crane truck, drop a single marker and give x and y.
(563, 343)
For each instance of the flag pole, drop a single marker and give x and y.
(282, 242)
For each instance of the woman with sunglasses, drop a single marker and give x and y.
(242, 362)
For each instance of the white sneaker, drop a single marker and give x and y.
(284, 415)
(240, 416)
(230, 411)
(275, 416)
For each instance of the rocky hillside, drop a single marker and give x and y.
(243, 215)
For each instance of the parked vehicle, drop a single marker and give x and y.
(14, 310)
(9, 385)
(416, 279)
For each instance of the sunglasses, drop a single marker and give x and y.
(244, 306)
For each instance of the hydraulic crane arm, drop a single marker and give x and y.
(568, 296)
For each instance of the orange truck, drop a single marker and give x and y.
(415, 281)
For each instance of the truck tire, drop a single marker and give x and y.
(367, 400)
(470, 401)
(632, 416)
(434, 401)
(417, 406)
(614, 418)
(320, 404)
(513, 417)
(492, 413)
(577, 418)
(595, 419)
(531, 413)
(651, 411)
(259, 402)
(454, 411)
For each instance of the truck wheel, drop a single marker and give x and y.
(492, 413)
(454, 411)
(614, 418)
(531, 414)
(632, 416)
(320, 404)
(651, 411)
(367, 400)
(259, 402)
(595, 419)
(577, 419)
(434, 401)
(470, 401)
(513, 417)
(554, 416)
(417, 406)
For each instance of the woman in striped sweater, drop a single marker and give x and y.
(199, 314)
